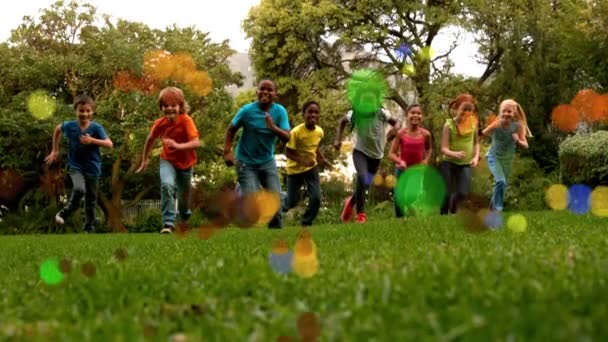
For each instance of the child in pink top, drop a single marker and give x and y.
(411, 146)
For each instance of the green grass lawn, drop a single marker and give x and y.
(427, 279)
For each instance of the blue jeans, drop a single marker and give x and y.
(313, 190)
(501, 169)
(266, 175)
(83, 186)
(175, 184)
(458, 182)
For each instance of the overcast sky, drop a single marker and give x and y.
(222, 19)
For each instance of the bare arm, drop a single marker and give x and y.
(192, 144)
(228, 139)
(56, 138)
(284, 135)
(445, 144)
(491, 127)
(321, 157)
(294, 155)
(395, 130)
(428, 148)
(521, 136)
(341, 125)
(55, 149)
(394, 150)
(107, 143)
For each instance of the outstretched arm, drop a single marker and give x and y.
(55, 149)
(340, 130)
(228, 139)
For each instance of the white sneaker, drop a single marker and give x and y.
(58, 218)
(167, 230)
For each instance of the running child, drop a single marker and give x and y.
(411, 146)
(180, 138)
(85, 137)
(508, 131)
(303, 155)
(262, 121)
(460, 149)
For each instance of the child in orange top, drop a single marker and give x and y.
(180, 138)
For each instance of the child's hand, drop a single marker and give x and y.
(459, 154)
(475, 161)
(86, 139)
(269, 122)
(515, 137)
(401, 165)
(229, 159)
(143, 165)
(171, 144)
(308, 162)
(51, 157)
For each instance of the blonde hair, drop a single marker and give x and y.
(171, 94)
(520, 114)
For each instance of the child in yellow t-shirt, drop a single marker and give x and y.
(303, 155)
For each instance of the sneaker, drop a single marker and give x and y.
(347, 211)
(361, 218)
(59, 218)
(167, 229)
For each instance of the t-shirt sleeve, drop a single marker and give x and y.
(322, 133)
(386, 115)
(349, 116)
(237, 121)
(292, 140)
(101, 132)
(191, 130)
(283, 119)
(155, 130)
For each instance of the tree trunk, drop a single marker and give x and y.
(113, 215)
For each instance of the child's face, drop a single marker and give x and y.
(311, 115)
(266, 92)
(507, 111)
(84, 111)
(170, 109)
(414, 116)
(466, 109)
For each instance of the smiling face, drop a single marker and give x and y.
(414, 116)
(312, 115)
(465, 109)
(170, 109)
(84, 111)
(507, 110)
(266, 92)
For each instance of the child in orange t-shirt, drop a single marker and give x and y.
(180, 138)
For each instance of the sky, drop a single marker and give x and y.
(222, 19)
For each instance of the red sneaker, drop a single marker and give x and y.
(361, 218)
(347, 211)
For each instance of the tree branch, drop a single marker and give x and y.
(138, 197)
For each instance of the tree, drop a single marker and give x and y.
(65, 53)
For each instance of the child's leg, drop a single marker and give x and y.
(248, 178)
(463, 184)
(90, 202)
(294, 184)
(398, 209)
(184, 193)
(78, 191)
(446, 172)
(167, 192)
(269, 179)
(313, 189)
(500, 182)
(366, 167)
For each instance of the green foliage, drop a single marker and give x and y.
(548, 282)
(584, 159)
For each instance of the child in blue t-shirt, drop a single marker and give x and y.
(262, 122)
(84, 159)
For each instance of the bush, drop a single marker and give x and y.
(584, 159)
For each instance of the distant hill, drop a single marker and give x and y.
(240, 62)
